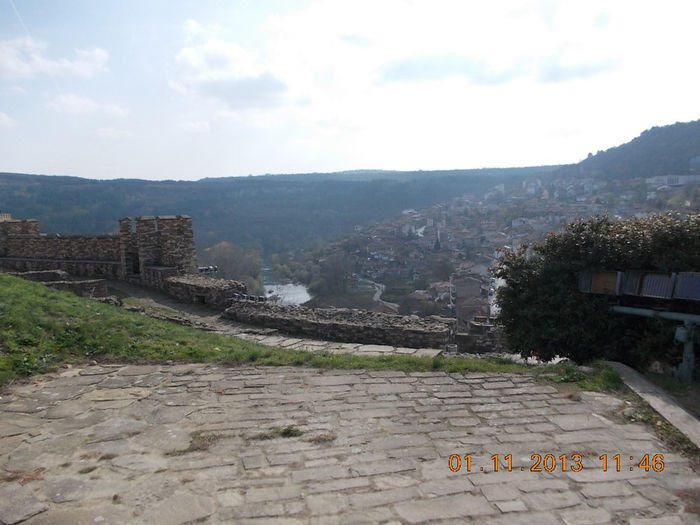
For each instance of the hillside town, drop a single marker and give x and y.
(439, 260)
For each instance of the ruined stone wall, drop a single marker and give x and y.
(153, 251)
(74, 247)
(59, 280)
(147, 242)
(101, 269)
(157, 276)
(42, 276)
(342, 324)
(84, 288)
(143, 244)
(19, 227)
(204, 290)
(176, 242)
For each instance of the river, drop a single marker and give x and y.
(288, 293)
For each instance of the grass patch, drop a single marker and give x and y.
(286, 432)
(669, 384)
(600, 377)
(275, 432)
(41, 328)
(198, 442)
(643, 413)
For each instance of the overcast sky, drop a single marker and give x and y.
(171, 89)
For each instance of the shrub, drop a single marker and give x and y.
(544, 314)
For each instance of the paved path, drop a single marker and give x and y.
(185, 443)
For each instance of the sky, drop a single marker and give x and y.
(174, 89)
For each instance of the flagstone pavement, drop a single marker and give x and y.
(198, 443)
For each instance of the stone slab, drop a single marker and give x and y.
(204, 444)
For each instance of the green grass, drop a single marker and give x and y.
(602, 378)
(41, 328)
(643, 413)
(668, 383)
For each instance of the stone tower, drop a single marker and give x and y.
(176, 242)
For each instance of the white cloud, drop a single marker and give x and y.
(114, 133)
(70, 103)
(224, 70)
(194, 30)
(195, 126)
(6, 121)
(25, 57)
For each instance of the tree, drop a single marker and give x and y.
(544, 314)
(443, 269)
(335, 271)
(235, 263)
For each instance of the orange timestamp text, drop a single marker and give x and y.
(561, 462)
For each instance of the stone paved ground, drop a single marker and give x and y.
(185, 443)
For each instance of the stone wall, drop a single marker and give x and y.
(176, 242)
(342, 324)
(74, 247)
(99, 269)
(19, 227)
(59, 280)
(42, 276)
(203, 290)
(84, 288)
(146, 251)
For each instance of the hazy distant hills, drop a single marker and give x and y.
(664, 150)
(271, 213)
(281, 212)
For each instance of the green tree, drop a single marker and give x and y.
(235, 263)
(544, 314)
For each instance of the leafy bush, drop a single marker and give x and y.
(544, 314)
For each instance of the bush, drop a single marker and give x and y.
(544, 314)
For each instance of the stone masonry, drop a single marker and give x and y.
(193, 443)
(150, 251)
(348, 325)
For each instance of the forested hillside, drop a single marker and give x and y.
(268, 213)
(663, 150)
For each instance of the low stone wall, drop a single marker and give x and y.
(84, 288)
(201, 289)
(42, 276)
(346, 325)
(59, 280)
(18, 226)
(99, 269)
(157, 276)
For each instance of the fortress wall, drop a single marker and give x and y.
(42, 276)
(156, 276)
(346, 325)
(84, 288)
(176, 242)
(98, 248)
(19, 227)
(100, 269)
(204, 290)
